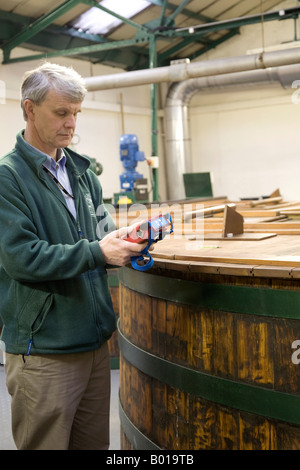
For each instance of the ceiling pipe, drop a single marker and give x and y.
(180, 72)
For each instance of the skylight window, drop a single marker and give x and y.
(96, 21)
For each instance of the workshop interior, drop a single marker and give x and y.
(191, 125)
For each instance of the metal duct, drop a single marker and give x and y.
(180, 72)
(178, 141)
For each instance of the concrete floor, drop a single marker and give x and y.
(6, 440)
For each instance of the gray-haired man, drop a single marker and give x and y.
(54, 298)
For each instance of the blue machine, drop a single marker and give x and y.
(130, 155)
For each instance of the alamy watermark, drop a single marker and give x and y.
(296, 354)
(296, 93)
(188, 220)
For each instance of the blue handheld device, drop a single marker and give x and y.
(152, 230)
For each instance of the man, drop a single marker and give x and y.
(54, 297)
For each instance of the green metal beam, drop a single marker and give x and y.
(95, 4)
(81, 50)
(127, 58)
(162, 13)
(185, 11)
(284, 14)
(56, 37)
(176, 12)
(37, 26)
(12, 23)
(15, 17)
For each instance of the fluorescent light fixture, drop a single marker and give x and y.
(96, 21)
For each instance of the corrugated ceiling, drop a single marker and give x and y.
(157, 32)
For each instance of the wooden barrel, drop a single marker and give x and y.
(209, 361)
(113, 343)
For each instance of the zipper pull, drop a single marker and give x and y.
(29, 346)
(79, 231)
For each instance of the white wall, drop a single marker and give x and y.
(250, 147)
(249, 140)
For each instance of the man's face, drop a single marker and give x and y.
(54, 121)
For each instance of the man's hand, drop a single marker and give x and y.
(116, 250)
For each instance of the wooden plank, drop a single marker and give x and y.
(241, 237)
(273, 271)
(240, 258)
(159, 327)
(177, 419)
(263, 202)
(224, 345)
(159, 409)
(227, 429)
(255, 362)
(207, 211)
(203, 420)
(273, 226)
(287, 373)
(290, 212)
(143, 325)
(256, 433)
(288, 437)
(257, 213)
(200, 345)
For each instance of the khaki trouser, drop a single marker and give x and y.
(60, 402)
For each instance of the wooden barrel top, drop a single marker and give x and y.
(278, 255)
(269, 245)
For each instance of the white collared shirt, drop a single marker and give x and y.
(58, 169)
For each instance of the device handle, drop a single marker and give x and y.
(142, 267)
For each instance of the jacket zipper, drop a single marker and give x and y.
(29, 345)
(79, 231)
(33, 332)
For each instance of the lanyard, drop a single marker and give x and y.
(65, 191)
(58, 183)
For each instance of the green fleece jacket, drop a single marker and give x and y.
(54, 295)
